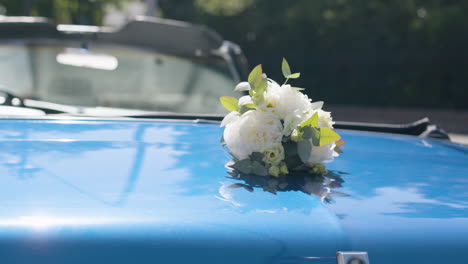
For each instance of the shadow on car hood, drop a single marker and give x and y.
(145, 191)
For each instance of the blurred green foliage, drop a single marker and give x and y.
(84, 12)
(361, 52)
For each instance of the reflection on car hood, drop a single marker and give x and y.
(146, 191)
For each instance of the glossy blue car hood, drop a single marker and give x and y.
(77, 191)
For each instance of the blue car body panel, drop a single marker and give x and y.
(104, 191)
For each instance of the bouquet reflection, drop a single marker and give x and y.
(323, 185)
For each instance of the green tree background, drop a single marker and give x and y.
(360, 52)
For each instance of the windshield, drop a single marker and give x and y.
(114, 76)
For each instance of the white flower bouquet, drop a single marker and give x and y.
(276, 128)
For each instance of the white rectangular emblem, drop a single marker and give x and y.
(352, 257)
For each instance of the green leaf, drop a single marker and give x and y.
(312, 121)
(294, 75)
(236, 185)
(338, 150)
(340, 143)
(262, 86)
(304, 148)
(257, 95)
(272, 183)
(255, 76)
(290, 149)
(315, 136)
(327, 135)
(230, 103)
(307, 132)
(245, 108)
(258, 83)
(285, 68)
(293, 161)
(298, 88)
(311, 133)
(259, 169)
(241, 185)
(257, 156)
(338, 146)
(244, 166)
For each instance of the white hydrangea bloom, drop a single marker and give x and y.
(254, 131)
(293, 119)
(292, 106)
(325, 119)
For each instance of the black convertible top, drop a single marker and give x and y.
(162, 35)
(166, 35)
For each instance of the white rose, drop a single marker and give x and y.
(284, 100)
(274, 154)
(234, 115)
(229, 118)
(252, 132)
(325, 153)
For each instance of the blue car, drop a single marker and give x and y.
(110, 153)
